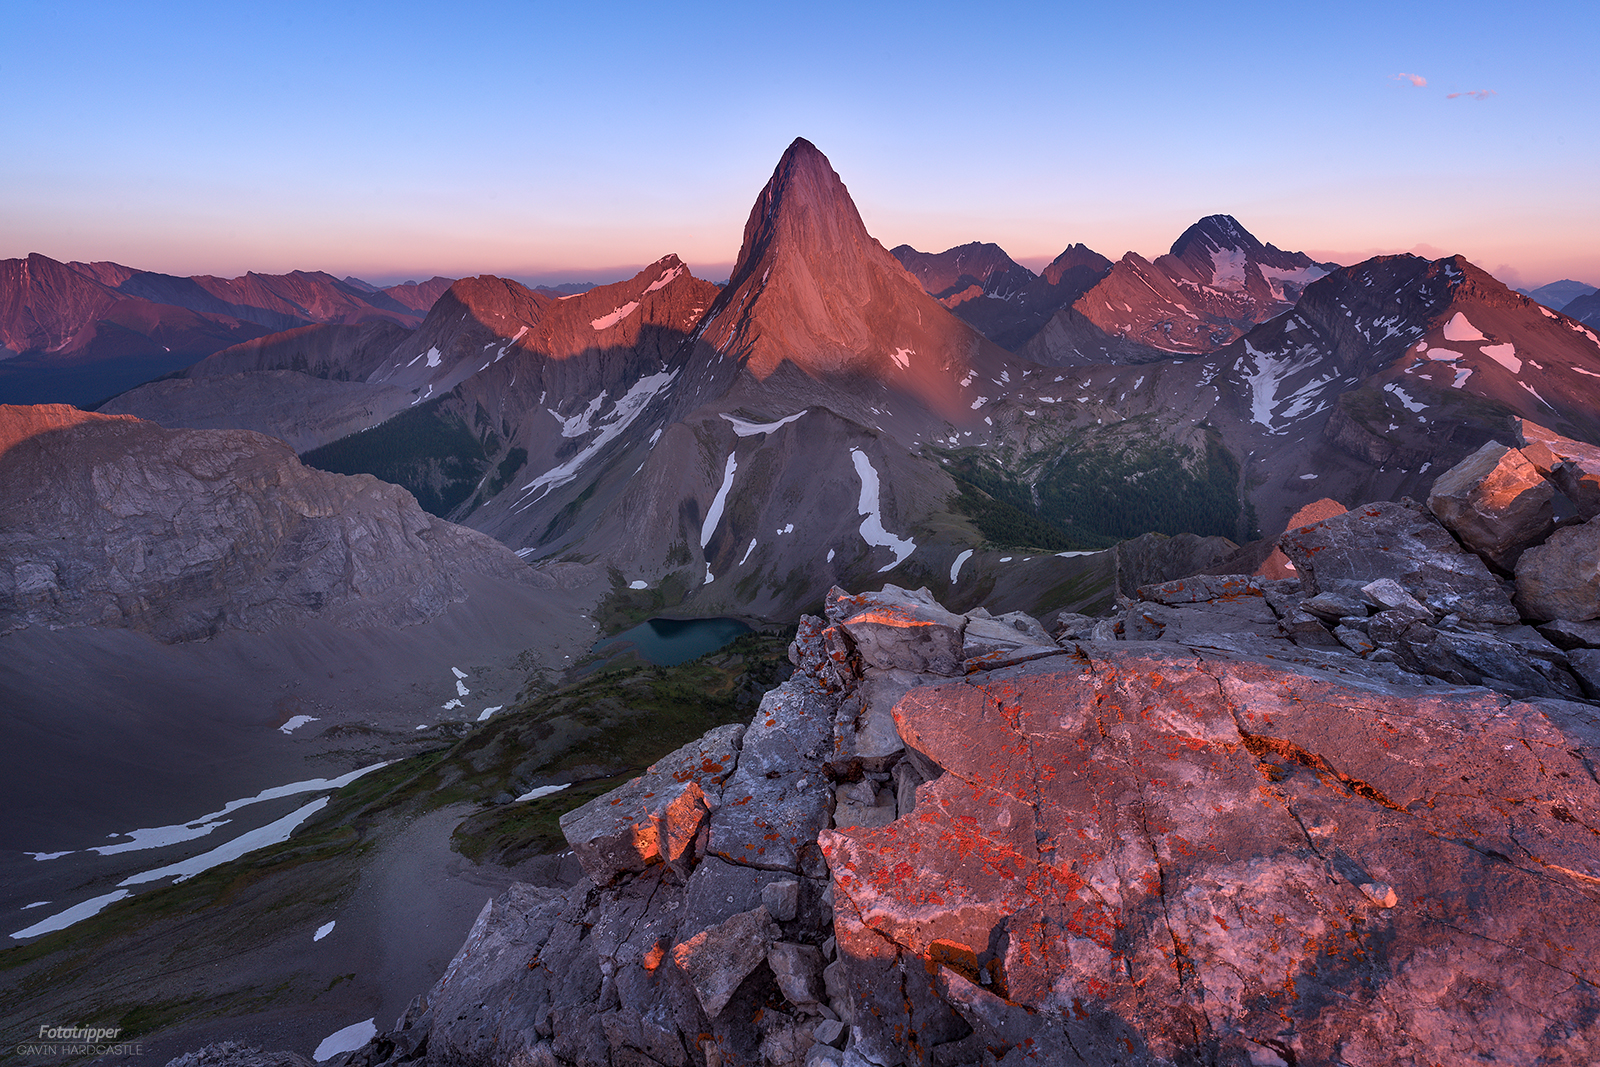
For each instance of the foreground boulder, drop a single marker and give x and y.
(1560, 579)
(1496, 502)
(1402, 542)
(1215, 848)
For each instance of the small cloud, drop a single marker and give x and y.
(1415, 79)
(1476, 94)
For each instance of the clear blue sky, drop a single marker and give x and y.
(570, 140)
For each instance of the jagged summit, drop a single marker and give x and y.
(1217, 282)
(812, 289)
(1217, 232)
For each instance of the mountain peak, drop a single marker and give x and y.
(1215, 233)
(805, 202)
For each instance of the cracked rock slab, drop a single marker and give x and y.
(717, 959)
(1193, 851)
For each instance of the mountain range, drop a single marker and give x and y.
(838, 414)
(448, 491)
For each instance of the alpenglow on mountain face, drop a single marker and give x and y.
(829, 415)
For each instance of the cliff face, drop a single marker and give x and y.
(183, 533)
(954, 839)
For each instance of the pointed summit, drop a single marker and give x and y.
(1216, 233)
(1217, 282)
(813, 290)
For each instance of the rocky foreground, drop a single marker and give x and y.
(1349, 817)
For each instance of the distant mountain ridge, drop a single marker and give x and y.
(81, 332)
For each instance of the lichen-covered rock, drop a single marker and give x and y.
(1219, 848)
(1399, 541)
(898, 629)
(1173, 856)
(1560, 579)
(1496, 502)
(655, 817)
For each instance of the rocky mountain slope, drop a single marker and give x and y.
(1584, 309)
(107, 520)
(1557, 295)
(1215, 283)
(1017, 303)
(1213, 828)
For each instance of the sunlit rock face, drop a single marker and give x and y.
(1141, 856)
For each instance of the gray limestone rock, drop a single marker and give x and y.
(1586, 665)
(1331, 607)
(781, 899)
(798, 969)
(1560, 579)
(718, 958)
(1564, 633)
(1344, 553)
(234, 1054)
(1496, 502)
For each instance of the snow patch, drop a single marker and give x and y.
(275, 832)
(607, 321)
(1536, 396)
(872, 530)
(1227, 268)
(295, 723)
(718, 502)
(1404, 398)
(1459, 329)
(483, 716)
(743, 428)
(902, 357)
(1505, 355)
(955, 568)
(158, 836)
(1590, 373)
(747, 552)
(77, 913)
(458, 672)
(1276, 276)
(324, 930)
(628, 408)
(1268, 376)
(638, 583)
(349, 1039)
(461, 688)
(578, 425)
(541, 791)
(665, 279)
